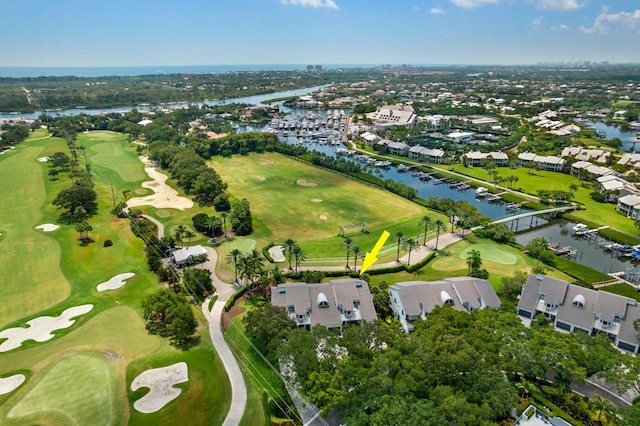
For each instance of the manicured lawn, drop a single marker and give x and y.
(30, 276)
(78, 389)
(499, 259)
(623, 290)
(44, 273)
(290, 199)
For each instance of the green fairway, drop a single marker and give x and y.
(44, 273)
(245, 245)
(30, 275)
(491, 252)
(291, 199)
(77, 390)
(306, 203)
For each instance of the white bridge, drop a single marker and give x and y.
(534, 213)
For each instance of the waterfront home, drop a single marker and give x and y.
(571, 308)
(422, 153)
(630, 159)
(629, 205)
(544, 162)
(590, 168)
(370, 138)
(330, 305)
(396, 148)
(414, 300)
(615, 187)
(477, 158)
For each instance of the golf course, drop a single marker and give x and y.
(81, 371)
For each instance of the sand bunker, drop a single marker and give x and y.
(322, 217)
(48, 227)
(316, 200)
(164, 196)
(304, 182)
(8, 384)
(277, 253)
(40, 329)
(261, 178)
(43, 159)
(115, 282)
(160, 382)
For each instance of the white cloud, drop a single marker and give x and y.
(559, 4)
(329, 4)
(470, 4)
(561, 27)
(537, 22)
(604, 22)
(437, 11)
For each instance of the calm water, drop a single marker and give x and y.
(627, 136)
(589, 251)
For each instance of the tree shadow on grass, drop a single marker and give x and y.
(187, 344)
(86, 241)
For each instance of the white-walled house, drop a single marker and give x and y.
(181, 256)
(422, 153)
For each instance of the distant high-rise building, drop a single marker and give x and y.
(309, 67)
(318, 67)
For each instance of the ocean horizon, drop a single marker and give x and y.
(33, 72)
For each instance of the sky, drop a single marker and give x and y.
(100, 33)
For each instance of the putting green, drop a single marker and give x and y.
(245, 245)
(490, 253)
(78, 390)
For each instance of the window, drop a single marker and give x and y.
(579, 301)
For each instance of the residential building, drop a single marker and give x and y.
(616, 187)
(630, 159)
(571, 308)
(583, 154)
(414, 300)
(477, 158)
(590, 168)
(331, 304)
(544, 162)
(370, 138)
(396, 148)
(181, 256)
(533, 416)
(422, 153)
(629, 205)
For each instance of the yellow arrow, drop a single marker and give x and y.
(371, 256)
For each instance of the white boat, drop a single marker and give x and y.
(482, 191)
(579, 228)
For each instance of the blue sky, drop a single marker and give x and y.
(222, 32)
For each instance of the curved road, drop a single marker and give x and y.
(214, 317)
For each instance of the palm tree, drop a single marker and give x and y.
(452, 216)
(224, 216)
(410, 245)
(179, 233)
(348, 244)
(538, 245)
(438, 225)
(233, 257)
(299, 255)
(289, 244)
(189, 234)
(636, 224)
(474, 260)
(603, 406)
(212, 222)
(426, 222)
(573, 188)
(357, 254)
(399, 236)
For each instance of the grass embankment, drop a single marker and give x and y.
(532, 182)
(45, 273)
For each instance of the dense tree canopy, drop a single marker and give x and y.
(169, 315)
